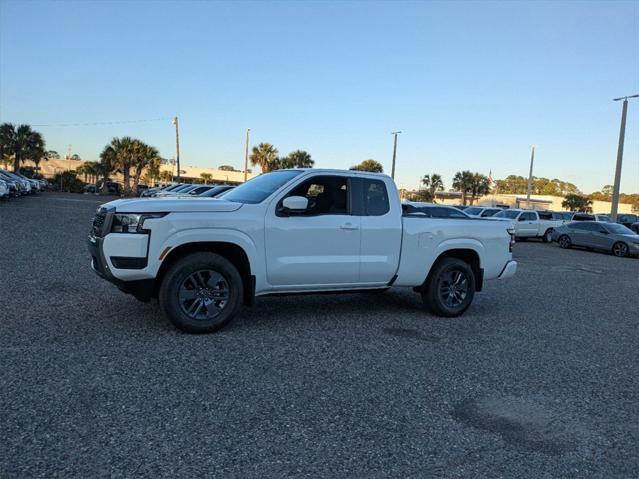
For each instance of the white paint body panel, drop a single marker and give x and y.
(312, 253)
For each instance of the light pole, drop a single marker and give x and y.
(248, 132)
(394, 133)
(532, 159)
(622, 135)
(177, 146)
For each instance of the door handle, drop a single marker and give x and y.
(349, 226)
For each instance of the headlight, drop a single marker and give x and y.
(132, 222)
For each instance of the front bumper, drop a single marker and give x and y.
(509, 270)
(143, 289)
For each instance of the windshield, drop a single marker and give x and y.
(472, 211)
(605, 218)
(619, 229)
(261, 187)
(507, 214)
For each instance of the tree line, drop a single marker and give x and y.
(136, 161)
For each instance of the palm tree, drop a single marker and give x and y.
(206, 177)
(108, 162)
(297, 159)
(433, 183)
(144, 156)
(369, 165)
(479, 186)
(265, 155)
(166, 176)
(462, 182)
(21, 144)
(120, 154)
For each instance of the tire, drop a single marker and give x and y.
(201, 293)
(620, 249)
(437, 295)
(547, 238)
(564, 242)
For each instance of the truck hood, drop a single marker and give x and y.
(172, 205)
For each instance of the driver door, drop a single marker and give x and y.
(319, 247)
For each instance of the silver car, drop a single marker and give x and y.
(611, 237)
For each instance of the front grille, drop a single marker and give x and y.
(97, 225)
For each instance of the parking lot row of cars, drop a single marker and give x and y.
(568, 229)
(13, 185)
(186, 189)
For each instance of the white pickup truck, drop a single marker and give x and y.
(532, 224)
(292, 231)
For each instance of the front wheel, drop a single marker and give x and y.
(450, 288)
(620, 249)
(547, 238)
(564, 241)
(201, 293)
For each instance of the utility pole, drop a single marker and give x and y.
(622, 135)
(394, 133)
(532, 160)
(248, 132)
(177, 146)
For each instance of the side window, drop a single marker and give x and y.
(527, 217)
(326, 195)
(375, 197)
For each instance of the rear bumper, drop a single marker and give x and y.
(509, 270)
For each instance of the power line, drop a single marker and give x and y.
(97, 123)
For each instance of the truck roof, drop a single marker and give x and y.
(337, 170)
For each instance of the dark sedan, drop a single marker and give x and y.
(610, 237)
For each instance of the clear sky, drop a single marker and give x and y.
(471, 84)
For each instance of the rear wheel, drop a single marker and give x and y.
(450, 288)
(547, 238)
(201, 293)
(564, 241)
(620, 249)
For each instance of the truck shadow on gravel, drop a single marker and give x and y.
(522, 423)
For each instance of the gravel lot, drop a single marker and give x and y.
(539, 379)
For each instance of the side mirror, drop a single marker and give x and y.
(295, 204)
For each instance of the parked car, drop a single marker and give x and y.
(292, 231)
(198, 190)
(528, 224)
(481, 211)
(611, 237)
(216, 191)
(432, 210)
(4, 189)
(90, 189)
(627, 219)
(11, 184)
(602, 218)
(635, 227)
(181, 188)
(565, 216)
(22, 185)
(110, 188)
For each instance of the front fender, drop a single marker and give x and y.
(205, 235)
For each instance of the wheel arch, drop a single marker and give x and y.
(231, 251)
(468, 255)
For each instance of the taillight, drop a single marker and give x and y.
(511, 243)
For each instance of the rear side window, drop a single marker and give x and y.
(371, 197)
